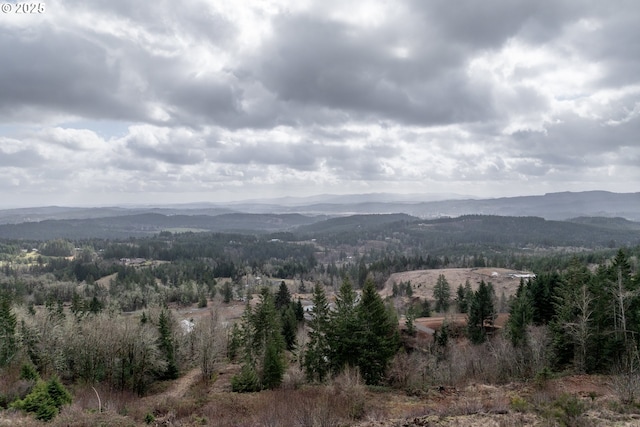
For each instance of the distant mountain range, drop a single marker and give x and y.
(592, 208)
(559, 206)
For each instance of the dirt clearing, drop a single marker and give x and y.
(423, 281)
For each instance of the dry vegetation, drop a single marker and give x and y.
(472, 388)
(423, 281)
(339, 405)
(460, 385)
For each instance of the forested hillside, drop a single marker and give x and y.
(269, 312)
(122, 226)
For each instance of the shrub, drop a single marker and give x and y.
(149, 418)
(350, 392)
(58, 394)
(542, 377)
(45, 400)
(74, 416)
(568, 409)
(518, 404)
(13, 392)
(627, 387)
(28, 372)
(246, 380)
(202, 302)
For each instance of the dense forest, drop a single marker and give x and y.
(118, 314)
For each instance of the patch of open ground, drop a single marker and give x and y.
(423, 281)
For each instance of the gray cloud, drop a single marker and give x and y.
(57, 72)
(324, 63)
(206, 96)
(20, 159)
(489, 24)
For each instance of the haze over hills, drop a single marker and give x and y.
(602, 215)
(559, 206)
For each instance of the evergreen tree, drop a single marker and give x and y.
(265, 322)
(345, 331)
(316, 362)
(45, 399)
(442, 338)
(468, 294)
(442, 294)
(227, 293)
(461, 300)
(8, 324)
(263, 344)
(289, 327)
(299, 311)
(167, 346)
(542, 290)
(77, 305)
(379, 339)
(520, 316)
(235, 342)
(481, 312)
(283, 297)
(95, 306)
(246, 381)
(362, 273)
(503, 303)
(410, 325)
(625, 302)
(425, 309)
(273, 366)
(572, 327)
(58, 393)
(408, 289)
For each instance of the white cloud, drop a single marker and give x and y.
(223, 99)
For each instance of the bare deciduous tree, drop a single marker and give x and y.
(209, 340)
(580, 327)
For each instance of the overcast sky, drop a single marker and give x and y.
(125, 101)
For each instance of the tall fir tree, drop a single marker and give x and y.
(379, 339)
(261, 336)
(8, 324)
(299, 310)
(345, 331)
(461, 300)
(543, 293)
(442, 294)
(289, 326)
(362, 273)
(410, 324)
(283, 297)
(481, 312)
(227, 292)
(316, 357)
(167, 345)
(520, 316)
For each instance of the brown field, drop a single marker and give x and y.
(423, 281)
(457, 319)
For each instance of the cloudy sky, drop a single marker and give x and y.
(124, 101)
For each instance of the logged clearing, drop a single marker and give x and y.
(423, 281)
